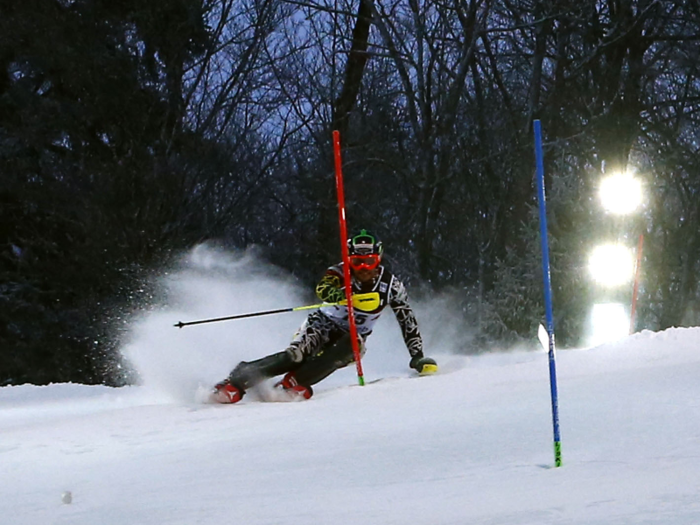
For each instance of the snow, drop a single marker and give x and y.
(472, 444)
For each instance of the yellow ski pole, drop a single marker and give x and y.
(366, 302)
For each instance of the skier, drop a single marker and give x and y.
(322, 343)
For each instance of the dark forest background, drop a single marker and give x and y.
(131, 131)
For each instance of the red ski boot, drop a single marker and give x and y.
(226, 393)
(293, 389)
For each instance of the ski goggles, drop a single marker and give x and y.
(364, 262)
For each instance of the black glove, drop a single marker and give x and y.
(424, 365)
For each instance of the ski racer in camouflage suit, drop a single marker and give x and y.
(322, 343)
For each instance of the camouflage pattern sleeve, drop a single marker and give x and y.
(398, 300)
(330, 287)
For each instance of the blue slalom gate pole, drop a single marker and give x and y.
(547, 291)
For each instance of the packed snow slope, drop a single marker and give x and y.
(471, 445)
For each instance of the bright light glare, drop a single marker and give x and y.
(621, 193)
(609, 322)
(611, 264)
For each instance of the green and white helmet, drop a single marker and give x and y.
(365, 250)
(365, 242)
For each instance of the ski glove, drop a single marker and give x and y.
(329, 289)
(424, 365)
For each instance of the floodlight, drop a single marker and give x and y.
(621, 193)
(609, 322)
(611, 264)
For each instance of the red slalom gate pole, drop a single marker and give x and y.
(635, 292)
(346, 257)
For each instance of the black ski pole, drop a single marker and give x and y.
(366, 302)
(254, 314)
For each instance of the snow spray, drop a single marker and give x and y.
(178, 365)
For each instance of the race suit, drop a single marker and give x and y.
(326, 326)
(322, 343)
